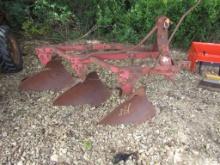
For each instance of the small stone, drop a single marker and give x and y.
(177, 157)
(157, 131)
(4, 134)
(182, 137)
(130, 162)
(195, 152)
(86, 156)
(54, 158)
(13, 143)
(63, 151)
(33, 126)
(20, 163)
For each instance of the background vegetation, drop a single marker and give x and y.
(119, 20)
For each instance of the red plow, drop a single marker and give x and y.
(88, 88)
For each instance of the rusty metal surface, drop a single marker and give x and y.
(162, 35)
(80, 56)
(92, 91)
(135, 110)
(53, 77)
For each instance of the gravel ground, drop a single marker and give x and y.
(186, 129)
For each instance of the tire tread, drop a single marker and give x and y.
(7, 65)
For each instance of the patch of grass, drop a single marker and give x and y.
(87, 144)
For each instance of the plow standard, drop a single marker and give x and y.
(88, 88)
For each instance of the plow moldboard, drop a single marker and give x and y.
(92, 91)
(133, 111)
(53, 77)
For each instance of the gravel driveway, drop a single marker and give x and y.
(186, 129)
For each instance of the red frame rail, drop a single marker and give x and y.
(81, 55)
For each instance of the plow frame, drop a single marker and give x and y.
(81, 55)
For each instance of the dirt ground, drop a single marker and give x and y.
(186, 129)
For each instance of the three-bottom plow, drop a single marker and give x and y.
(90, 89)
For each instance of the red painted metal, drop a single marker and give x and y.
(203, 52)
(45, 54)
(81, 55)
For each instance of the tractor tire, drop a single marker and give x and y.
(10, 54)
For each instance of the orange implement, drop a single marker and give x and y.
(203, 52)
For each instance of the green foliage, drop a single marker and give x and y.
(124, 20)
(32, 29)
(87, 144)
(52, 12)
(85, 11)
(40, 17)
(133, 22)
(201, 25)
(15, 11)
(49, 17)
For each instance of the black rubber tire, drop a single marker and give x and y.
(10, 54)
